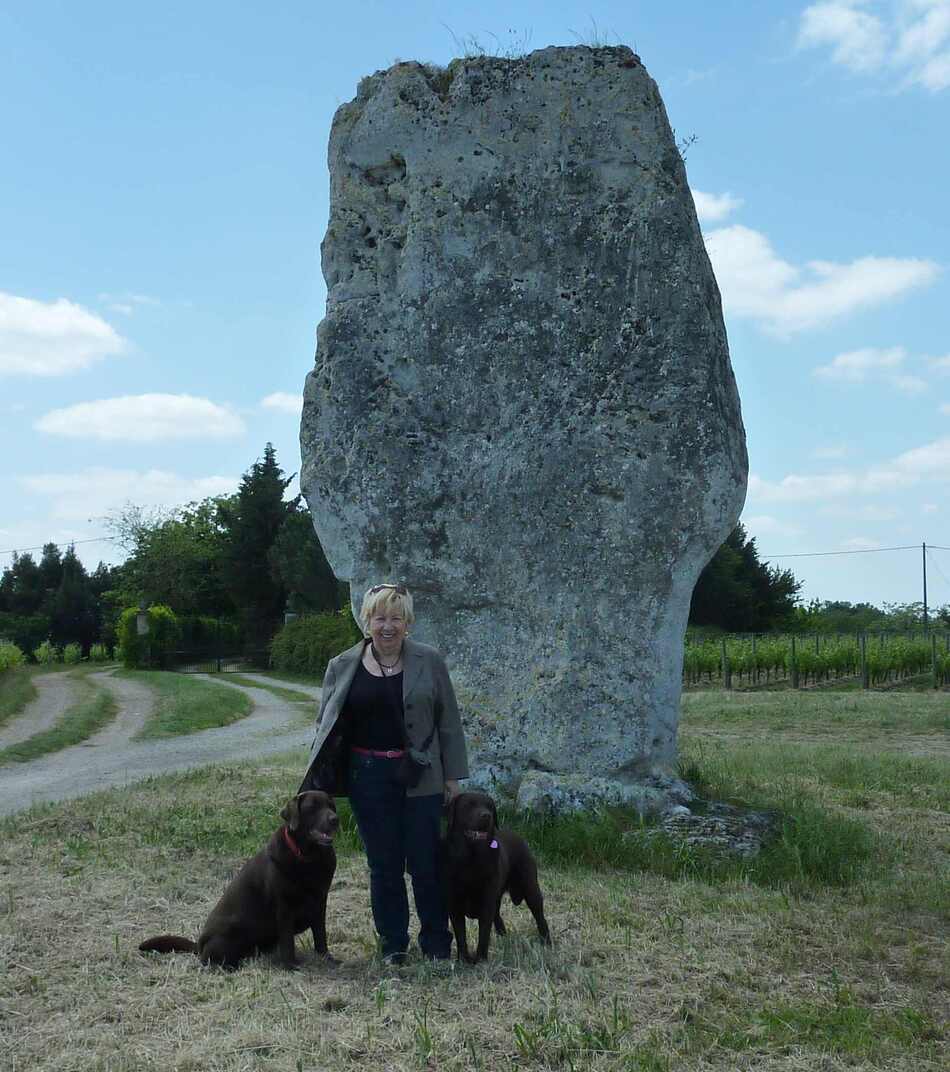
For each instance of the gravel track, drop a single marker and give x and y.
(110, 758)
(56, 693)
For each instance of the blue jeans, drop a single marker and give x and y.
(400, 832)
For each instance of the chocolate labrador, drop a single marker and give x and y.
(482, 864)
(278, 893)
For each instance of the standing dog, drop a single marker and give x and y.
(277, 894)
(482, 864)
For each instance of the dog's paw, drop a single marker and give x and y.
(329, 959)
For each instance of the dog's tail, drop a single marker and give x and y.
(168, 943)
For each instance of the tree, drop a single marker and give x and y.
(176, 558)
(298, 563)
(72, 606)
(740, 594)
(251, 521)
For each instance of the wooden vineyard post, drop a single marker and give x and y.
(865, 677)
(794, 666)
(726, 668)
(933, 657)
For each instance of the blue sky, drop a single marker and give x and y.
(163, 195)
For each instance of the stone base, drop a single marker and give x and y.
(559, 794)
(721, 828)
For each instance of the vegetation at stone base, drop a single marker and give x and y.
(16, 691)
(769, 659)
(94, 708)
(693, 973)
(307, 645)
(187, 704)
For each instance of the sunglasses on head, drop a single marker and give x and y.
(399, 589)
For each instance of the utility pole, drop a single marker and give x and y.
(923, 549)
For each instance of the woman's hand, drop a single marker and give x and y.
(451, 789)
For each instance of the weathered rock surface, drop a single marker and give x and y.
(522, 404)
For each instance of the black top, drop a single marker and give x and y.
(373, 711)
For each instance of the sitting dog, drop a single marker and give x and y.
(277, 894)
(481, 864)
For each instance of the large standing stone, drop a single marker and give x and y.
(522, 404)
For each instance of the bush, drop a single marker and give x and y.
(10, 656)
(306, 645)
(149, 649)
(98, 653)
(47, 653)
(72, 654)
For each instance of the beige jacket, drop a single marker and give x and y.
(428, 699)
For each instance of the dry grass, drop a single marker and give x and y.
(646, 974)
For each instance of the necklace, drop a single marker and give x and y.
(385, 667)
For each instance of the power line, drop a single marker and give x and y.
(861, 551)
(94, 539)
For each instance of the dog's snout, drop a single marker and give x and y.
(333, 820)
(484, 820)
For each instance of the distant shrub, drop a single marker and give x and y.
(72, 654)
(10, 656)
(306, 645)
(139, 650)
(47, 653)
(202, 633)
(98, 653)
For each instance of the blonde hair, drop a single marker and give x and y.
(391, 596)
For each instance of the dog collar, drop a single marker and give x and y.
(481, 835)
(292, 845)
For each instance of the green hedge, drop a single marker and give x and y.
(10, 656)
(306, 645)
(163, 636)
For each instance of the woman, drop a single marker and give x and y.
(386, 700)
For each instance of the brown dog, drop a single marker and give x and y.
(482, 864)
(278, 893)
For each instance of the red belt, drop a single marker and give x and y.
(392, 753)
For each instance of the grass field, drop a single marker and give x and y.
(187, 704)
(840, 964)
(92, 709)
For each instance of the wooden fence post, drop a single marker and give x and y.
(865, 677)
(794, 666)
(933, 657)
(726, 668)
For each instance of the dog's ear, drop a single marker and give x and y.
(291, 812)
(494, 815)
(331, 803)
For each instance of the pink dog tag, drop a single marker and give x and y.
(494, 845)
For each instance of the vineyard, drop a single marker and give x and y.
(873, 660)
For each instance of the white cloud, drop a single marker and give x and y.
(281, 400)
(858, 39)
(98, 491)
(756, 283)
(860, 366)
(860, 543)
(908, 38)
(711, 208)
(855, 365)
(929, 462)
(128, 303)
(51, 338)
(143, 419)
(766, 525)
(929, 508)
(831, 453)
(945, 408)
(940, 364)
(861, 513)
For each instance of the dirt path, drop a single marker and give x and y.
(110, 758)
(56, 693)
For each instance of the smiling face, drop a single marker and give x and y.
(474, 815)
(388, 628)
